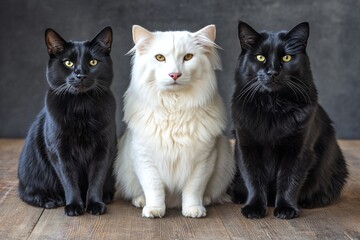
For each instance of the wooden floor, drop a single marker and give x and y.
(21, 221)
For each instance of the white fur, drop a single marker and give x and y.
(173, 152)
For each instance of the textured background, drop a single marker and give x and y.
(333, 46)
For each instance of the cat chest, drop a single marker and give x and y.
(175, 130)
(273, 125)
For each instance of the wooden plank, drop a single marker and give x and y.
(17, 219)
(125, 222)
(21, 221)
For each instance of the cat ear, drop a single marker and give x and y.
(300, 32)
(104, 39)
(206, 37)
(209, 32)
(296, 38)
(140, 33)
(54, 42)
(141, 37)
(247, 35)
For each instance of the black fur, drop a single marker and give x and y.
(70, 148)
(286, 149)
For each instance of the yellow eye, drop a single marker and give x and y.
(188, 56)
(160, 57)
(93, 62)
(286, 58)
(68, 63)
(260, 58)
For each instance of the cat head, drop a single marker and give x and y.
(273, 62)
(175, 62)
(79, 67)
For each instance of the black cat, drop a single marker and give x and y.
(70, 148)
(286, 149)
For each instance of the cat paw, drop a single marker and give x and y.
(74, 209)
(207, 200)
(96, 208)
(53, 203)
(286, 212)
(317, 200)
(253, 211)
(139, 202)
(194, 211)
(153, 211)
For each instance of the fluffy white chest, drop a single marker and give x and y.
(174, 141)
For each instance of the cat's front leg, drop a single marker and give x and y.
(287, 189)
(69, 179)
(195, 186)
(290, 178)
(97, 174)
(253, 172)
(152, 186)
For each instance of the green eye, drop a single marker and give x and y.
(286, 58)
(68, 63)
(188, 56)
(260, 58)
(93, 62)
(160, 57)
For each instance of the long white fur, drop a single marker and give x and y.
(173, 152)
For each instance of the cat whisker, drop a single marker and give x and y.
(254, 92)
(299, 89)
(292, 89)
(247, 89)
(290, 77)
(61, 89)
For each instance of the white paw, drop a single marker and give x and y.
(207, 200)
(139, 202)
(194, 211)
(153, 211)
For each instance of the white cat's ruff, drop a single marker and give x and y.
(174, 147)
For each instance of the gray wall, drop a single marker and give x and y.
(333, 46)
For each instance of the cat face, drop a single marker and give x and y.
(78, 67)
(274, 61)
(174, 61)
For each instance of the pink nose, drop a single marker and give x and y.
(175, 75)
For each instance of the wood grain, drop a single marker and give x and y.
(123, 221)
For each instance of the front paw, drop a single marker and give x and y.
(74, 209)
(254, 211)
(286, 212)
(153, 211)
(194, 211)
(96, 208)
(139, 201)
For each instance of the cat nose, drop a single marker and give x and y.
(81, 77)
(175, 75)
(272, 72)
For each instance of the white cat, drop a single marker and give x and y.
(173, 152)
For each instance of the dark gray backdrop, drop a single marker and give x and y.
(333, 46)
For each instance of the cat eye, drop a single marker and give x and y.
(260, 58)
(188, 56)
(68, 63)
(160, 57)
(286, 58)
(93, 62)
